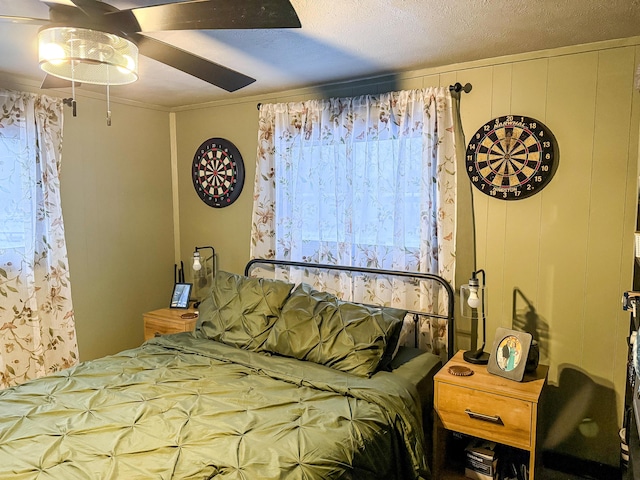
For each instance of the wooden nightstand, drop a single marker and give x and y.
(485, 406)
(168, 320)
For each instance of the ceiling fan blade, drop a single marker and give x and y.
(210, 15)
(87, 6)
(91, 14)
(24, 20)
(199, 67)
(51, 81)
(69, 3)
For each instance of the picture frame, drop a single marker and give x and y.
(180, 296)
(508, 357)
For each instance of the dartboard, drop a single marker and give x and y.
(512, 157)
(218, 172)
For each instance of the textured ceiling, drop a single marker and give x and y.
(343, 40)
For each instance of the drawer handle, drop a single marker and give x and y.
(486, 418)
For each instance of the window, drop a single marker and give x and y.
(365, 181)
(13, 197)
(328, 199)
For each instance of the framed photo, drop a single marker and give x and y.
(180, 297)
(508, 358)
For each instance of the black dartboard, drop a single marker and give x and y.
(218, 172)
(512, 157)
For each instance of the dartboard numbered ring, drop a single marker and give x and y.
(512, 157)
(218, 172)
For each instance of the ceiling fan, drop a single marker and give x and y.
(131, 24)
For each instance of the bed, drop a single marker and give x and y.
(279, 381)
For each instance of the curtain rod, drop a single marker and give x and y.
(456, 87)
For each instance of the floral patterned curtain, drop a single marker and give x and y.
(37, 328)
(368, 181)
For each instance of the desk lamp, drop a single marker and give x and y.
(473, 303)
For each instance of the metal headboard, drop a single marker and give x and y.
(375, 271)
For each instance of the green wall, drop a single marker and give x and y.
(560, 259)
(116, 201)
(226, 229)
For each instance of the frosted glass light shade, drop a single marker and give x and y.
(473, 300)
(87, 56)
(203, 270)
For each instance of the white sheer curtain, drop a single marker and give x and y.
(37, 328)
(368, 181)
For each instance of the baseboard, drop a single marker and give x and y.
(580, 466)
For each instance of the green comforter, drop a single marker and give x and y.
(182, 407)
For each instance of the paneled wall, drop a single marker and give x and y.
(563, 248)
(556, 262)
(560, 260)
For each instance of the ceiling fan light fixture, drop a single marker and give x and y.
(87, 56)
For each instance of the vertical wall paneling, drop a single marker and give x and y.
(501, 93)
(620, 329)
(567, 250)
(522, 250)
(450, 78)
(607, 209)
(564, 231)
(430, 81)
(491, 212)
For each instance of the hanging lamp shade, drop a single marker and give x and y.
(87, 56)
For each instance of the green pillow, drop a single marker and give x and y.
(240, 311)
(318, 327)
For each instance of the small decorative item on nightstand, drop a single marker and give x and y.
(180, 295)
(509, 354)
(533, 358)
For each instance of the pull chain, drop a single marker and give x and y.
(108, 101)
(108, 108)
(73, 82)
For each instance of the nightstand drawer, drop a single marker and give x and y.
(486, 415)
(166, 321)
(158, 327)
